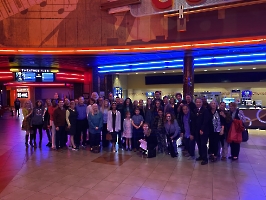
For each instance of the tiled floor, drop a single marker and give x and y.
(44, 174)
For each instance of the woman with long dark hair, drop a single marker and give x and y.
(172, 133)
(149, 112)
(159, 130)
(128, 107)
(37, 122)
(114, 124)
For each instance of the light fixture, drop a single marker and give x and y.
(164, 72)
(241, 68)
(205, 70)
(228, 69)
(137, 73)
(217, 69)
(254, 68)
(154, 72)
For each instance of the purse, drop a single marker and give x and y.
(109, 136)
(245, 135)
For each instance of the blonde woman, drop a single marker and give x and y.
(95, 121)
(26, 126)
(104, 109)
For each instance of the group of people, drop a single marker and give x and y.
(159, 123)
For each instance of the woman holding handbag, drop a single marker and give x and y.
(113, 124)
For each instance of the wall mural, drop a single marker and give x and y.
(81, 23)
(70, 23)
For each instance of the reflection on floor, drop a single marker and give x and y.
(45, 174)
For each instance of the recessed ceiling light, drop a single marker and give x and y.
(229, 69)
(154, 72)
(254, 68)
(217, 69)
(137, 73)
(205, 70)
(241, 68)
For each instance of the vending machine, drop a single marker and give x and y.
(118, 92)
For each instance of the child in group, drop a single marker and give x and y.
(137, 121)
(127, 133)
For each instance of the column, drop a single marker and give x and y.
(188, 74)
(108, 83)
(95, 80)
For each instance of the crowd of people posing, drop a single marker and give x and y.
(159, 123)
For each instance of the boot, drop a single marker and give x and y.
(31, 138)
(26, 140)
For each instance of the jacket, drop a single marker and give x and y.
(191, 122)
(203, 121)
(95, 121)
(235, 132)
(110, 122)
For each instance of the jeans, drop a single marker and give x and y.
(82, 126)
(60, 137)
(190, 146)
(35, 127)
(235, 149)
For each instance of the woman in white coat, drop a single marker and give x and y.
(114, 124)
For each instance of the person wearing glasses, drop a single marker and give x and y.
(172, 133)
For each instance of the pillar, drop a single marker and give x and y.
(188, 74)
(95, 80)
(108, 83)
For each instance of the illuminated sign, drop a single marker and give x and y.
(153, 7)
(163, 4)
(35, 70)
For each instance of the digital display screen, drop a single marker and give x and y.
(22, 94)
(34, 77)
(25, 76)
(47, 77)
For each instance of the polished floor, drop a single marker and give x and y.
(44, 174)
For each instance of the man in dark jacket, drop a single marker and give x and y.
(60, 125)
(202, 129)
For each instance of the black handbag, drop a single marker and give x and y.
(245, 135)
